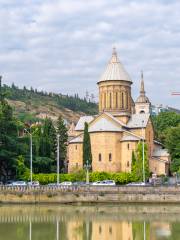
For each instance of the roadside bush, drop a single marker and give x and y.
(119, 178)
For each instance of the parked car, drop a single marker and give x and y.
(19, 183)
(33, 184)
(66, 184)
(79, 183)
(9, 183)
(138, 184)
(104, 183)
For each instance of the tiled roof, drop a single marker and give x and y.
(78, 139)
(129, 138)
(138, 120)
(81, 122)
(115, 70)
(105, 125)
(160, 153)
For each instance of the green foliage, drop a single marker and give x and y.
(172, 143)
(21, 169)
(137, 162)
(119, 178)
(163, 122)
(87, 155)
(63, 138)
(33, 97)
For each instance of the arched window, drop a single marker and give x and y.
(122, 100)
(127, 100)
(142, 111)
(104, 100)
(110, 157)
(128, 146)
(116, 100)
(100, 157)
(128, 164)
(110, 100)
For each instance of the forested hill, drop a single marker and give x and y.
(31, 105)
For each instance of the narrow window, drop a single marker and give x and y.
(116, 100)
(128, 146)
(128, 164)
(76, 165)
(76, 147)
(122, 99)
(100, 229)
(100, 158)
(104, 100)
(110, 101)
(110, 157)
(127, 101)
(110, 230)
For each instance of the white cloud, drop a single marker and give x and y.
(64, 45)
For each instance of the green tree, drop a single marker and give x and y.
(137, 163)
(172, 143)
(87, 155)
(63, 138)
(163, 122)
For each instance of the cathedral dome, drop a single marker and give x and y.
(115, 70)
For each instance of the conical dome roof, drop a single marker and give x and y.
(115, 71)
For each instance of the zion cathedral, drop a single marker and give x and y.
(119, 126)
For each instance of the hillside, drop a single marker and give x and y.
(31, 105)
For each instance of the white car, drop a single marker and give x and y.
(136, 184)
(33, 184)
(19, 183)
(104, 183)
(65, 184)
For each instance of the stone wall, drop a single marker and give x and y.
(91, 194)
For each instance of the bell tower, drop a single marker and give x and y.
(115, 90)
(142, 104)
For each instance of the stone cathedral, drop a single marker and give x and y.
(119, 126)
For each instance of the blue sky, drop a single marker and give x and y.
(64, 46)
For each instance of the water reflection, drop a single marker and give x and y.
(90, 222)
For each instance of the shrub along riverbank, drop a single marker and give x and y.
(119, 178)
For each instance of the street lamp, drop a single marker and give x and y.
(58, 136)
(144, 177)
(87, 166)
(30, 154)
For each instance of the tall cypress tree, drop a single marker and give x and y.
(87, 155)
(63, 138)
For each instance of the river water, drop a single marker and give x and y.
(90, 222)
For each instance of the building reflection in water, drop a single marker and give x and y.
(84, 224)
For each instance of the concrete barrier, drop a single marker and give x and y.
(90, 194)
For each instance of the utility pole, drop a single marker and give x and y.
(58, 136)
(144, 177)
(31, 157)
(87, 166)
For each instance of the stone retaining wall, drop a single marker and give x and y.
(90, 194)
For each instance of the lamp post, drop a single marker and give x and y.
(144, 177)
(87, 166)
(30, 154)
(58, 136)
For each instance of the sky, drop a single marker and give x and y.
(63, 46)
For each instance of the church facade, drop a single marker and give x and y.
(116, 131)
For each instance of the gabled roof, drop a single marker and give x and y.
(128, 138)
(78, 139)
(105, 123)
(81, 122)
(138, 120)
(115, 70)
